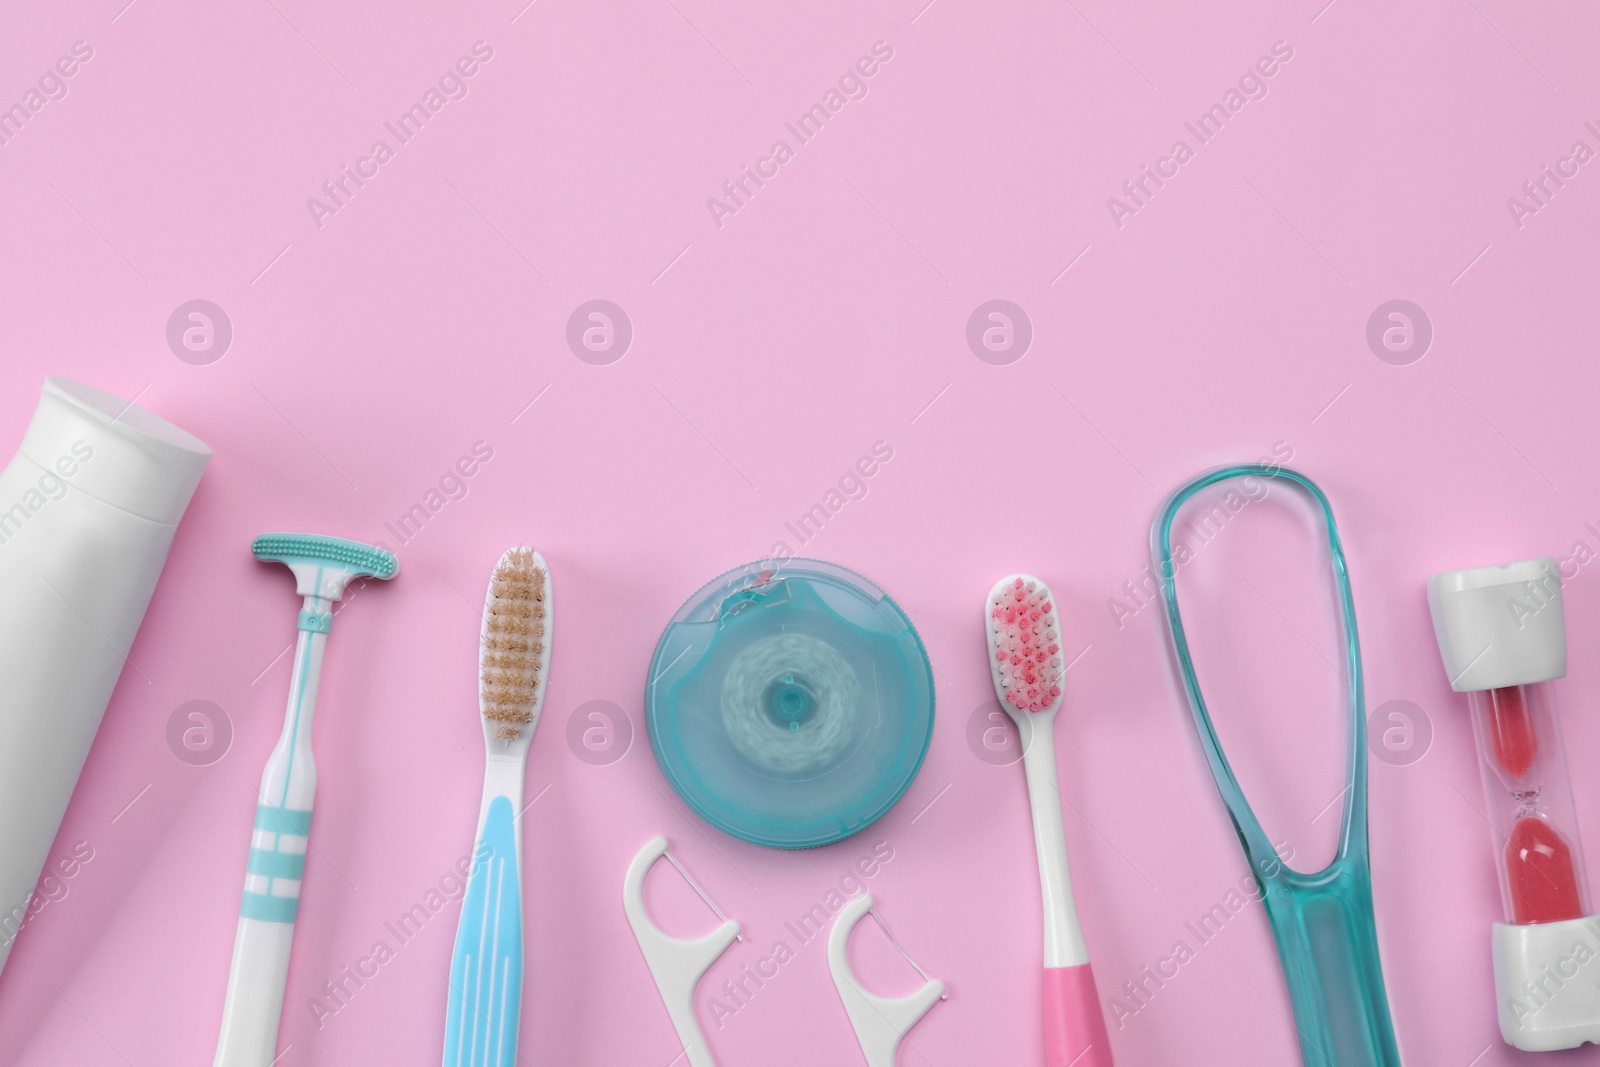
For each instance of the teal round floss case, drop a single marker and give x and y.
(790, 703)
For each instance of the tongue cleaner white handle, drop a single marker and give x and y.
(879, 1022)
(280, 837)
(675, 964)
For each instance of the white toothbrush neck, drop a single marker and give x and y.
(1063, 939)
(503, 776)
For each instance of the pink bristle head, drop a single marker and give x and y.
(1027, 644)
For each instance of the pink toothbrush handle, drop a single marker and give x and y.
(1074, 1026)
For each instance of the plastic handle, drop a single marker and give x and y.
(677, 966)
(1063, 935)
(1074, 1026)
(279, 841)
(1329, 947)
(255, 994)
(485, 1002)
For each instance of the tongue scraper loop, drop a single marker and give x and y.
(1322, 921)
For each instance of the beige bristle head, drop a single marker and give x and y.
(513, 643)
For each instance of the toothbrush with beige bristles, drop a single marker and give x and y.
(485, 998)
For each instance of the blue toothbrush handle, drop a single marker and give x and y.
(485, 1001)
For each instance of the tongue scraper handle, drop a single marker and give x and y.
(260, 967)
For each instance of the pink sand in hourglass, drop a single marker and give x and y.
(1544, 884)
(1511, 724)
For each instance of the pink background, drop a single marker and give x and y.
(1229, 313)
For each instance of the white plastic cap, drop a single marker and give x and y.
(114, 451)
(1547, 999)
(1500, 626)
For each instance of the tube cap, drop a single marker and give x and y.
(116, 452)
(1500, 626)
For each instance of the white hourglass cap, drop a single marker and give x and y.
(1501, 625)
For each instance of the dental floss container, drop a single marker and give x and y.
(88, 509)
(1502, 635)
(790, 703)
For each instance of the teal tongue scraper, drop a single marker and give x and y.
(1322, 921)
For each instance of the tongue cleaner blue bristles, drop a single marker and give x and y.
(323, 567)
(1322, 921)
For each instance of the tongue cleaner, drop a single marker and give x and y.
(322, 567)
(1322, 921)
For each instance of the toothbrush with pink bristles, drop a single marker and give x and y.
(1025, 662)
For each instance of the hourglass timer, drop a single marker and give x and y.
(1503, 637)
